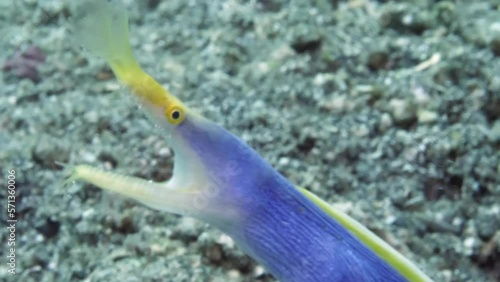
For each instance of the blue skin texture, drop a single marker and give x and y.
(275, 223)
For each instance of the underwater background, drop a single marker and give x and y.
(389, 110)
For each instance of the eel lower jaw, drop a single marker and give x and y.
(162, 196)
(190, 194)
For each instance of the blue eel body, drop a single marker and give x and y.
(278, 226)
(220, 180)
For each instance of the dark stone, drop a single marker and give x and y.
(378, 60)
(306, 46)
(49, 229)
(495, 46)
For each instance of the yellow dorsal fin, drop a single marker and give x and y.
(372, 241)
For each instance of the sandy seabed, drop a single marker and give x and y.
(387, 109)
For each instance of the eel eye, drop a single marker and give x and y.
(175, 115)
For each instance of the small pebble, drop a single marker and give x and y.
(49, 151)
(425, 116)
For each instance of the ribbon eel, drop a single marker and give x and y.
(220, 180)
